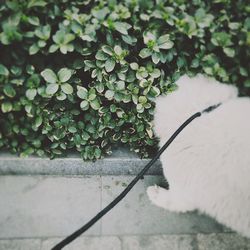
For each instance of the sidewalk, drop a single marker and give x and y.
(37, 211)
(42, 201)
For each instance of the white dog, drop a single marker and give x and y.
(208, 165)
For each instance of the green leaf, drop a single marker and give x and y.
(46, 32)
(202, 18)
(38, 121)
(109, 94)
(149, 38)
(41, 44)
(30, 69)
(139, 108)
(78, 64)
(222, 39)
(144, 53)
(243, 71)
(67, 88)
(85, 135)
(84, 105)
(129, 40)
(100, 55)
(64, 74)
(61, 96)
(43, 32)
(109, 65)
(108, 50)
(142, 99)
(34, 20)
(166, 45)
(9, 91)
(15, 70)
(53, 48)
(95, 104)
(100, 14)
(118, 50)
(91, 96)
(120, 85)
(155, 58)
(90, 64)
(70, 47)
(122, 27)
(52, 88)
(63, 48)
(31, 93)
(195, 63)
(155, 91)
(49, 76)
(98, 153)
(229, 52)
(163, 39)
(13, 5)
(150, 133)
(33, 49)
(156, 73)
(58, 38)
(134, 66)
(208, 70)
(99, 87)
(118, 96)
(234, 25)
(36, 3)
(68, 38)
(6, 107)
(3, 70)
(82, 92)
(28, 108)
(247, 83)
(72, 129)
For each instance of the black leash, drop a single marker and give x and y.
(83, 229)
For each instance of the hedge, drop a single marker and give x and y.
(84, 75)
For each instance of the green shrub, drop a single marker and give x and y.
(84, 75)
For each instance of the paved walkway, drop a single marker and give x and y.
(37, 211)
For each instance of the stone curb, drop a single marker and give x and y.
(121, 162)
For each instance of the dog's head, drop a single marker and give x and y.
(193, 95)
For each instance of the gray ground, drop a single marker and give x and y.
(37, 211)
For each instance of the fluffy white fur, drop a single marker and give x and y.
(208, 165)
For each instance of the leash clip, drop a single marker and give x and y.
(211, 108)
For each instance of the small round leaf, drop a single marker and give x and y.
(49, 76)
(31, 93)
(6, 107)
(109, 65)
(33, 49)
(3, 70)
(109, 94)
(84, 105)
(67, 88)
(61, 96)
(95, 104)
(144, 53)
(64, 74)
(52, 88)
(82, 92)
(9, 91)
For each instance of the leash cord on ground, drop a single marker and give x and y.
(80, 231)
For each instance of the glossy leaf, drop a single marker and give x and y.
(52, 88)
(67, 88)
(49, 76)
(64, 74)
